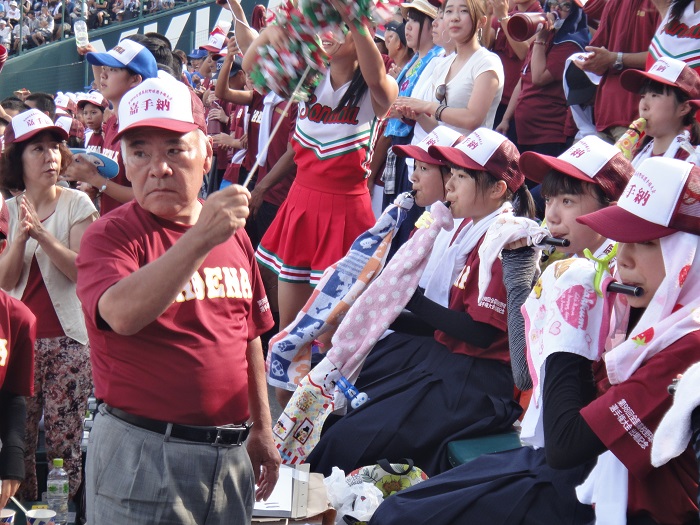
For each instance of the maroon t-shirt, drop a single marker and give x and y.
(490, 310)
(96, 141)
(627, 26)
(540, 114)
(278, 147)
(254, 117)
(188, 366)
(38, 300)
(625, 418)
(512, 65)
(112, 149)
(17, 336)
(223, 153)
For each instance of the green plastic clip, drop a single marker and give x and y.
(602, 265)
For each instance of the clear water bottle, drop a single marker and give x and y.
(57, 491)
(81, 33)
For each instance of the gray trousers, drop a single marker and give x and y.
(140, 477)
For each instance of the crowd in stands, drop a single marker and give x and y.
(43, 21)
(586, 130)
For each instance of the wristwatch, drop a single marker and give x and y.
(618, 65)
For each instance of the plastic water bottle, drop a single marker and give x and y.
(57, 491)
(81, 33)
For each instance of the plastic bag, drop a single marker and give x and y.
(360, 500)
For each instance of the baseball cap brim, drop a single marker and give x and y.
(58, 130)
(84, 102)
(454, 156)
(160, 123)
(620, 225)
(104, 59)
(535, 166)
(198, 54)
(633, 79)
(416, 153)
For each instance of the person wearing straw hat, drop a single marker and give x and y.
(46, 226)
(175, 305)
(17, 337)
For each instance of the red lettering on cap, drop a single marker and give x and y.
(162, 105)
(118, 49)
(642, 197)
(630, 190)
(133, 108)
(471, 144)
(578, 153)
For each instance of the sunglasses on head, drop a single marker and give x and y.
(564, 6)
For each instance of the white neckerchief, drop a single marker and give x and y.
(439, 258)
(663, 322)
(676, 144)
(439, 283)
(269, 103)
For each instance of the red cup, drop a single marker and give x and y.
(523, 26)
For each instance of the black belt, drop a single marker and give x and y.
(226, 435)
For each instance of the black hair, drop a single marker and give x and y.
(98, 106)
(523, 203)
(44, 102)
(356, 90)
(556, 183)
(160, 51)
(14, 103)
(676, 9)
(658, 88)
(420, 17)
(12, 168)
(162, 38)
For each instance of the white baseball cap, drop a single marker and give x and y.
(161, 102)
(661, 198)
(29, 123)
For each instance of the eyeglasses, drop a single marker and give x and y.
(564, 6)
(441, 94)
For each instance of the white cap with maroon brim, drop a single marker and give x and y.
(28, 124)
(485, 150)
(591, 160)
(667, 71)
(661, 198)
(161, 102)
(440, 136)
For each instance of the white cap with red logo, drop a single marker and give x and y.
(29, 123)
(161, 102)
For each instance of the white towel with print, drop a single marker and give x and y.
(506, 229)
(563, 313)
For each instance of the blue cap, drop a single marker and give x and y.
(127, 54)
(197, 54)
(236, 66)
